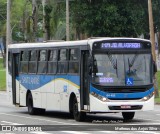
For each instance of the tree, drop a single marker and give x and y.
(34, 18)
(3, 17)
(20, 12)
(53, 19)
(87, 18)
(109, 18)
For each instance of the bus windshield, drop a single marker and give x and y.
(121, 69)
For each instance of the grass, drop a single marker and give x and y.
(158, 79)
(157, 100)
(2, 76)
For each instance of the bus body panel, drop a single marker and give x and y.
(36, 94)
(9, 88)
(43, 100)
(53, 102)
(53, 94)
(23, 93)
(17, 91)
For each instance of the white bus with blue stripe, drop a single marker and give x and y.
(97, 75)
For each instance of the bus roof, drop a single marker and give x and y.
(71, 43)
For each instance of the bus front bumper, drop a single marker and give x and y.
(98, 106)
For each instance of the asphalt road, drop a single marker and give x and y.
(17, 119)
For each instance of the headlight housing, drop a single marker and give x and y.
(146, 98)
(104, 99)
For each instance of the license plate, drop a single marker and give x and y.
(125, 106)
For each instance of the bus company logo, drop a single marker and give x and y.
(30, 80)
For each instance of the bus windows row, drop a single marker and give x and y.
(50, 61)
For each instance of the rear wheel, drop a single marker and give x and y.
(78, 116)
(41, 111)
(128, 115)
(31, 109)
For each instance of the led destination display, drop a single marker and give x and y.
(121, 45)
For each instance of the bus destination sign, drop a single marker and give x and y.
(121, 45)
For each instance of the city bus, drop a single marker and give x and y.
(96, 75)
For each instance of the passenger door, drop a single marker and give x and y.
(84, 81)
(15, 78)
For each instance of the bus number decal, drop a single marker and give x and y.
(65, 88)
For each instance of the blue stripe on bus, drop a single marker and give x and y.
(121, 95)
(33, 82)
(17, 78)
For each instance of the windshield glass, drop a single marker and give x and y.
(121, 69)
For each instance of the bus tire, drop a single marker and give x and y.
(31, 109)
(78, 116)
(41, 111)
(128, 115)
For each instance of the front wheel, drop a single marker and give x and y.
(128, 115)
(78, 116)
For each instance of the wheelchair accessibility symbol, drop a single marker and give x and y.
(129, 81)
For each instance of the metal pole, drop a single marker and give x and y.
(67, 20)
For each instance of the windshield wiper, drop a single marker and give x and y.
(133, 60)
(130, 64)
(113, 62)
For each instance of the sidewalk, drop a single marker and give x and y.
(4, 100)
(3, 92)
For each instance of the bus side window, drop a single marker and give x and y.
(63, 61)
(52, 61)
(33, 61)
(74, 61)
(24, 62)
(42, 62)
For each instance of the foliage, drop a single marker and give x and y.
(158, 79)
(156, 14)
(92, 17)
(3, 17)
(109, 18)
(20, 12)
(58, 22)
(157, 100)
(2, 76)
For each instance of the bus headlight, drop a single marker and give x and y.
(148, 97)
(100, 97)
